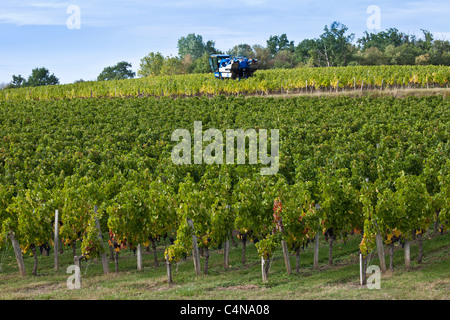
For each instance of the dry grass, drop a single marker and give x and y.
(375, 93)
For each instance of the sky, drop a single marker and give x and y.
(77, 39)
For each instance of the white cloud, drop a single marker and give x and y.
(441, 35)
(33, 13)
(31, 18)
(50, 5)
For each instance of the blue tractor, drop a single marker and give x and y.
(226, 66)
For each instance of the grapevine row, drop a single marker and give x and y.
(264, 82)
(374, 166)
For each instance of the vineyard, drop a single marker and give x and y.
(299, 80)
(373, 168)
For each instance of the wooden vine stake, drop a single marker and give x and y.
(286, 256)
(316, 250)
(78, 272)
(17, 253)
(169, 270)
(407, 248)
(139, 257)
(265, 264)
(362, 273)
(381, 255)
(56, 240)
(103, 254)
(280, 228)
(226, 254)
(195, 255)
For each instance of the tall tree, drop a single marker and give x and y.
(172, 66)
(151, 64)
(334, 47)
(118, 72)
(276, 44)
(41, 77)
(242, 49)
(382, 39)
(305, 50)
(440, 52)
(193, 45)
(201, 65)
(263, 56)
(17, 82)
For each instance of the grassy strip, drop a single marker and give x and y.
(428, 280)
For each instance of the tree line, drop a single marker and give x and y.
(335, 47)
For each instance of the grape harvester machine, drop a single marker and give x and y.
(226, 66)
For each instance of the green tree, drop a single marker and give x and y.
(38, 77)
(17, 82)
(172, 66)
(382, 39)
(276, 44)
(194, 45)
(151, 65)
(440, 52)
(403, 55)
(118, 72)
(370, 57)
(304, 51)
(334, 47)
(284, 59)
(262, 54)
(201, 65)
(41, 77)
(243, 49)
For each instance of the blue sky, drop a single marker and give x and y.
(34, 33)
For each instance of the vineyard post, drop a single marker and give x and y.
(381, 255)
(17, 253)
(139, 257)
(265, 268)
(195, 255)
(286, 256)
(407, 248)
(226, 254)
(285, 249)
(169, 270)
(56, 240)
(419, 241)
(77, 263)
(316, 249)
(362, 274)
(103, 254)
